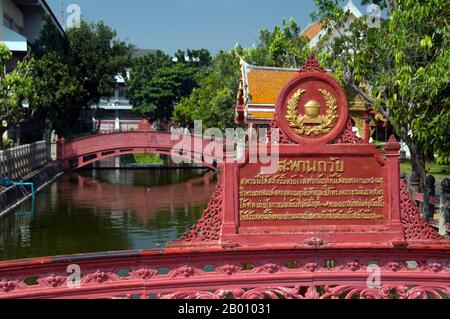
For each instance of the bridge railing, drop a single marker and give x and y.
(435, 209)
(20, 161)
(240, 274)
(107, 145)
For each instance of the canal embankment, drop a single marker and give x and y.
(27, 164)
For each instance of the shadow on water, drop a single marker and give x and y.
(105, 210)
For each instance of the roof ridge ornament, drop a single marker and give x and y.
(312, 65)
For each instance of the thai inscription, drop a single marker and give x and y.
(326, 190)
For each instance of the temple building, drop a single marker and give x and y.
(260, 87)
(259, 90)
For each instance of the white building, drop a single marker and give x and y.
(116, 113)
(315, 31)
(22, 23)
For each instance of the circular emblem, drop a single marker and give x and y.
(312, 108)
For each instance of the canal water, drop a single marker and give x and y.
(107, 210)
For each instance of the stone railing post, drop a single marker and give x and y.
(28, 154)
(414, 182)
(60, 149)
(48, 150)
(392, 151)
(2, 165)
(444, 212)
(428, 208)
(6, 167)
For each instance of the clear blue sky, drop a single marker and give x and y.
(173, 24)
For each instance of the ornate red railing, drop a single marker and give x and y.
(241, 274)
(225, 256)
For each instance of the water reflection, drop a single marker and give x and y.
(93, 211)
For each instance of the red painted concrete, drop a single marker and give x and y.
(222, 257)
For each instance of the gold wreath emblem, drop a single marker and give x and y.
(297, 122)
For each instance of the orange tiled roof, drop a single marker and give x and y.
(312, 31)
(266, 84)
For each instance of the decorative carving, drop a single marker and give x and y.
(354, 265)
(209, 227)
(395, 266)
(145, 273)
(7, 285)
(98, 277)
(282, 138)
(314, 242)
(185, 271)
(435, 267)
(393, 145)
(312, 65)
(414, 226)
(294, 120)
(349, 137)
(182, 282)
(54, 280)
(268, 268)
(228, 269)
(312, 267)
(423, 292)
(297, 122)
(311, 292)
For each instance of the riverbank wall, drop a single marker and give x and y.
(14, 196)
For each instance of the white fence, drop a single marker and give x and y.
(20, 161)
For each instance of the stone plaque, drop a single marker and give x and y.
(322, 190)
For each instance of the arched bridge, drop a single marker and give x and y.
(87, 150)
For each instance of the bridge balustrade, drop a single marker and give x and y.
(240, 274)
(20, 161)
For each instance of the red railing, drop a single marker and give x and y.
(433, 200)
(241, 274)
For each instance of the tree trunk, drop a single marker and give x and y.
(430, 156)
(2, 131)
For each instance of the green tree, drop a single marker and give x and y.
(401, 68)
(16, 90)
(61, 96)
(157, 83)
(97, 57)
(76, 71)
(213, 102)
(282, 47)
